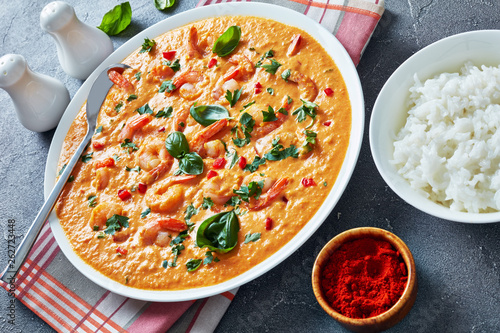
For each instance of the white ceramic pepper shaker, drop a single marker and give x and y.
(80, 47)
(39, 100)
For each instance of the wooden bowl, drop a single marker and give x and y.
(387, 319)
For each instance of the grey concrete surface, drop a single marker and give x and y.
(457, 264)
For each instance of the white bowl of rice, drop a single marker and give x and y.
(433, 129)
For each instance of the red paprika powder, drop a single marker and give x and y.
(364, 278)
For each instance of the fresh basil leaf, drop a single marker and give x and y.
(148, 45)
(164, 4)
(228, 41)
(177, 145)
(191, 164)
(193, 264)
(116, 223)
(144, 109)
(252, 237)
(219, 232)
(269, 115)
(117, 19)
(167, 86)
(286, 74)
(208, 114)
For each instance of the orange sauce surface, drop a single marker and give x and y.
(144, 250)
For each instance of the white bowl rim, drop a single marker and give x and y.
(277, 13)
(418, 62)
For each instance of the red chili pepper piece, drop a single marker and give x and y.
(269, 223)
(219, 163)
(107, 162)
(328, 91)
(121, 251)
(258, 90)
(327, 123)
(212, 63)
(162, 129)
(97, 145)
(211, 174)
(169, 55)
(124, 194)
(142, 188)
(242, 163)
(258, 87)
(308, 182)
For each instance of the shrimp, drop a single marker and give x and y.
(101, 179)
(180, 120)
(166, 196)
(244, 70)
(133, 125)
(102, 212)
(307, 87)
(118, 79)
(220, 187)
(294, 47)
(267, 198)
(187, 77)
(215, 148)
(154, 158)
(198, 143)
(267, 127)
(153, 231)
(193, 50)
(230, 85)
(161, 72)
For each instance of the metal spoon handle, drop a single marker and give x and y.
(24, 248)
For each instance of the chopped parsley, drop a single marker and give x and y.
(87, 157)
(233, 201)
(247, 105)
(71, 178)
(246, 126)
(232, 98)
(190, 212)
(118, 107)
(92, 200)
(210, 258)
(207, 203)
(254, 189)
(174, 65)
(127, 144)
(180, 238)
(116, 223)
(116, 157)
(269, 115)
(193, 264)
(98, 130)
(145, 212)
(270, 91)
(138, 76)
(232, 157)
(62, 169)
(252, 237)
(306, 109)
(165, 113)
(95, 228)
(272, 67)
(144, 109)
(286, 74)
(310, 140)
(268, 54)
(101, 235)
(131, 97)
(148, 45)
(277, 153)
(167, 86)
(255, 164)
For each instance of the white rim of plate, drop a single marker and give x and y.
(449, 54)
(277, 13)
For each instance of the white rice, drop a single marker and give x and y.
(449, 148)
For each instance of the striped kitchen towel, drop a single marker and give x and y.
(50, 286)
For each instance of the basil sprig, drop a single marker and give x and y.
(219, 232)
(208, 114)
(189, 162)
(117, 19)
(164, 4)
(228, 41)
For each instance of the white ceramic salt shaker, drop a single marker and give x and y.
(39, 100)
(80, 47)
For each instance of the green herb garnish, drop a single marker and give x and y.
(207, 203)
(165, 113)
(144, 109)
(232, 98)
(148, 45)
(228, 41)
(131, 97)
(246, 125)
(219, 232)
(210, 258)
(286, 74)
(145, 212)
(118, 107)
(174, 65)
(193, 264)
(116, 223)
(92, 200)
(252, 237)
(117, 19)
(269, 115)
(87, 157)
(167, 86)
(254, 189)
(252, 167)
(189, 162)
(164, 4)
(208, 114)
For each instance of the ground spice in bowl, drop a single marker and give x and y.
(364, 278)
